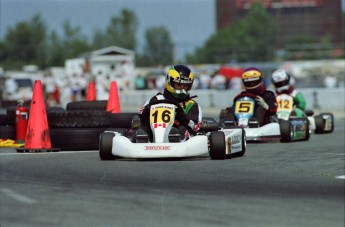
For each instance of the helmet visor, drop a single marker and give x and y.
(281, 83)
(181, 84)
(251, 83)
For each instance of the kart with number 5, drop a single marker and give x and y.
(290, 130)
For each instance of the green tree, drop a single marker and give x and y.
(251, 39)
(158, 48)
(98, 40)
(122, 30)
(55, 50)
(74, 42)
(25, 44)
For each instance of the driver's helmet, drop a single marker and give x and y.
(281, 80)
(179, 80)
(252, 79)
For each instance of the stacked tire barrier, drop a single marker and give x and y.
(77, 127)
(80, 125)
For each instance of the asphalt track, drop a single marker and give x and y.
(274, 184)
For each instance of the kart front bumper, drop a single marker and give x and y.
(195, 146)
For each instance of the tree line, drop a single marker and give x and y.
(251, 39)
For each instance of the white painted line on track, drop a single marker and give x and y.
(341, 177)
(17, 196)
(334, 154)
(50, 153)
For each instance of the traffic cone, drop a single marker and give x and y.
(91, 92)
(113, 104)
(37, 134)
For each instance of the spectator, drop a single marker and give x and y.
(218, 81)
(330, 81)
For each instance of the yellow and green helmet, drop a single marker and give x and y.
(179, 80)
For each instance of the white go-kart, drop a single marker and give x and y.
(321, 123)
(166, 141)
(290, 130)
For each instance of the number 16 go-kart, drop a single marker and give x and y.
(290, 130)
(322, 123)
(166, 140)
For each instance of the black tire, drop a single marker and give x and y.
(78, 139)
(75, 138)
(55, 109)
(11, 115)
(319, 124)
(11, 112)
(286, 131)
(121, 120)
(106, 145)
(79, 119)
(3, 119)
(7, 132)
(217, 145)
(100, 105)
(332, 121)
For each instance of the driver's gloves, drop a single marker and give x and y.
(182, 118)
(261, 102)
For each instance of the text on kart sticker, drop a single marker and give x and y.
(244, 107)
(233, 147)
(157, 148)
(233, 141)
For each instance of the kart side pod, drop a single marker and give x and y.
(227, 143)
(296, 129)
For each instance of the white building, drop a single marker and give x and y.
(106, 65)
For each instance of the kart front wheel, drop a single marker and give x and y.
(105, 146)
(286, 131)
(217, 145)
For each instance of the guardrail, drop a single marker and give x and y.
(316, 98)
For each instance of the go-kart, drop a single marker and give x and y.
(290, 130)
(166, 141)
(322, 123)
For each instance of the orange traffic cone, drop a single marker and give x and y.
(37, 134)
(91, 92)
(113, 104)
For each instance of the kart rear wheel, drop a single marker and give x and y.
(217, 145)
(105, 146)
(286, 131)
(319, 124)
(328, 119)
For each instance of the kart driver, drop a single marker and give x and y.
(178, 82)
(265, 100)
(282, 83)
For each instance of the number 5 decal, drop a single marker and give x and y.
(244, 107)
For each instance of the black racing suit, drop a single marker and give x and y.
(261, 114)
(188, 123)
